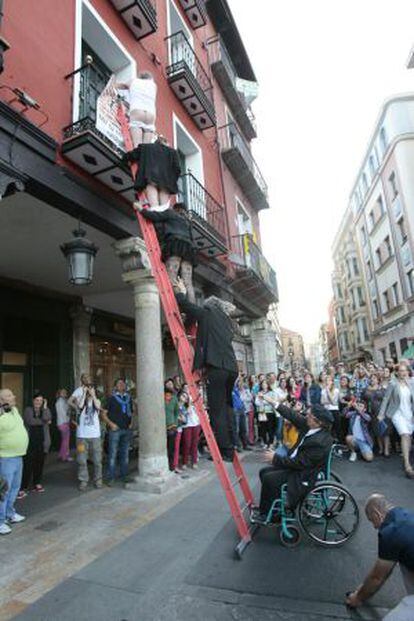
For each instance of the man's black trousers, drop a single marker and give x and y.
(220, 384)
(272, 480)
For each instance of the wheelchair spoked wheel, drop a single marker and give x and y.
(329, 514)
(292, 538)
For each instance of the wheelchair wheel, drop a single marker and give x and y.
(329, 514)
(295, 536)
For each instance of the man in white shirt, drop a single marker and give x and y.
(88, 431)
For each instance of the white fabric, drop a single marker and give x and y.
(88, 423)
(146, 127)
(192, 417)
(62, 411)
(403, 612)
(403, 419)
(308, 434)
(142, 95)
(330, 399)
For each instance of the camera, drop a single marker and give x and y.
(6, 407)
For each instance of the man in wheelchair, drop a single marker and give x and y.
(299, 470)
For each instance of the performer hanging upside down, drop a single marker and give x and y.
(177, 245)
(158, 172)
(142, 106)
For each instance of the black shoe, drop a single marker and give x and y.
(258, 518)
(247, 448)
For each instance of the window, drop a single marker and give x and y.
(339, 290)
(393, 351)
(355, 266)
(393, 185)
(388, 247)
(386, 300)
(378, 255)
(191, 161)
(371, 219)
(402, 232)
(375, 309)
(384, 355)
(403, 345)
(243, 220)
(363, 235)
(372, 165)
(395, 294)
(361, 300)
(365, 333)
(348, 269)
(410, 281)
(364, 182)
(383, 140)
(353, 299)
(346, 340)
(369, 270)
(342, 314)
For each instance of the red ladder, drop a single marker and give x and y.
(185, 356)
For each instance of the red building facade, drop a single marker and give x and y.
(56, 167)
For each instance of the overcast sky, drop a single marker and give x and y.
(324, 69)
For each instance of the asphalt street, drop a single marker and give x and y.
(181, 565)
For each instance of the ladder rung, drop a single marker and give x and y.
(237, 481)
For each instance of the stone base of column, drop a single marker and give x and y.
(152, 485)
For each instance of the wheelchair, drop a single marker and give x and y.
(328, 514)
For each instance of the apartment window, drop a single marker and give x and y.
(393, 184)
(402, 231)
(410, 280)
(346, 340)
(393, 351)
(355, 266)
(364, 329)
(375, 309)
(342, 314)
(353, 299)
(372, 165)
(386, 299)
(395, 294)
(363, 235)
(369, 270)
(339, 290)
(383, 140)
(403, 345)
(371, 219)
(348, 269)
(361, 300)
(387, 243)
(379, 207)
(383, 354)
(378, 254)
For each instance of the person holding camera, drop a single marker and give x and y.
(88, 431)
(14, 441)
(37, 418)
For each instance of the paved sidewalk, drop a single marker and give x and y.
(180, 566)
(66, 529)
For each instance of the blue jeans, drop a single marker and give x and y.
(119, 441)
(11, 469)
(239, 428)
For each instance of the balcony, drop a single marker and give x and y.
(87, 146)
(255, 278)
(189, 82)
(209, 224)
(139, 15)
(195, 11)
(239, 160)
(226, 75)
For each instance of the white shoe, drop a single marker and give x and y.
(353, 456)
(16, 519)
(5, 529)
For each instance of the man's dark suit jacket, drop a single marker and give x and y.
(214, 336)
(311, 457)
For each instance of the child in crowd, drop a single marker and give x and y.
(171, 419)
(359, 437)
(191, 435)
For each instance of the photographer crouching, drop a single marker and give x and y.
(13, 446)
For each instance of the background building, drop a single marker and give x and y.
(293, 350)
(314, 357)
(58, 165)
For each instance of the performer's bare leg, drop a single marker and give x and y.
(152, 195)
(172, 266)
(187, 276)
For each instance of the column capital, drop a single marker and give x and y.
(133, 254)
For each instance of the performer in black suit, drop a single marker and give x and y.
(300, 468)
(214, 354)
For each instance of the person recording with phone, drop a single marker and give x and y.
(37, 419)
(88, 431)
(14, 441)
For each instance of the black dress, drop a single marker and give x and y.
(158, 165)
(177, 236)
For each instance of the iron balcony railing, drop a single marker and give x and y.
(218, 52)
(201, 204)
(244, 247)
(182, 57)
(231, 138)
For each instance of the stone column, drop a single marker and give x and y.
(264, 346)
(81, 324)
(153, 472)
